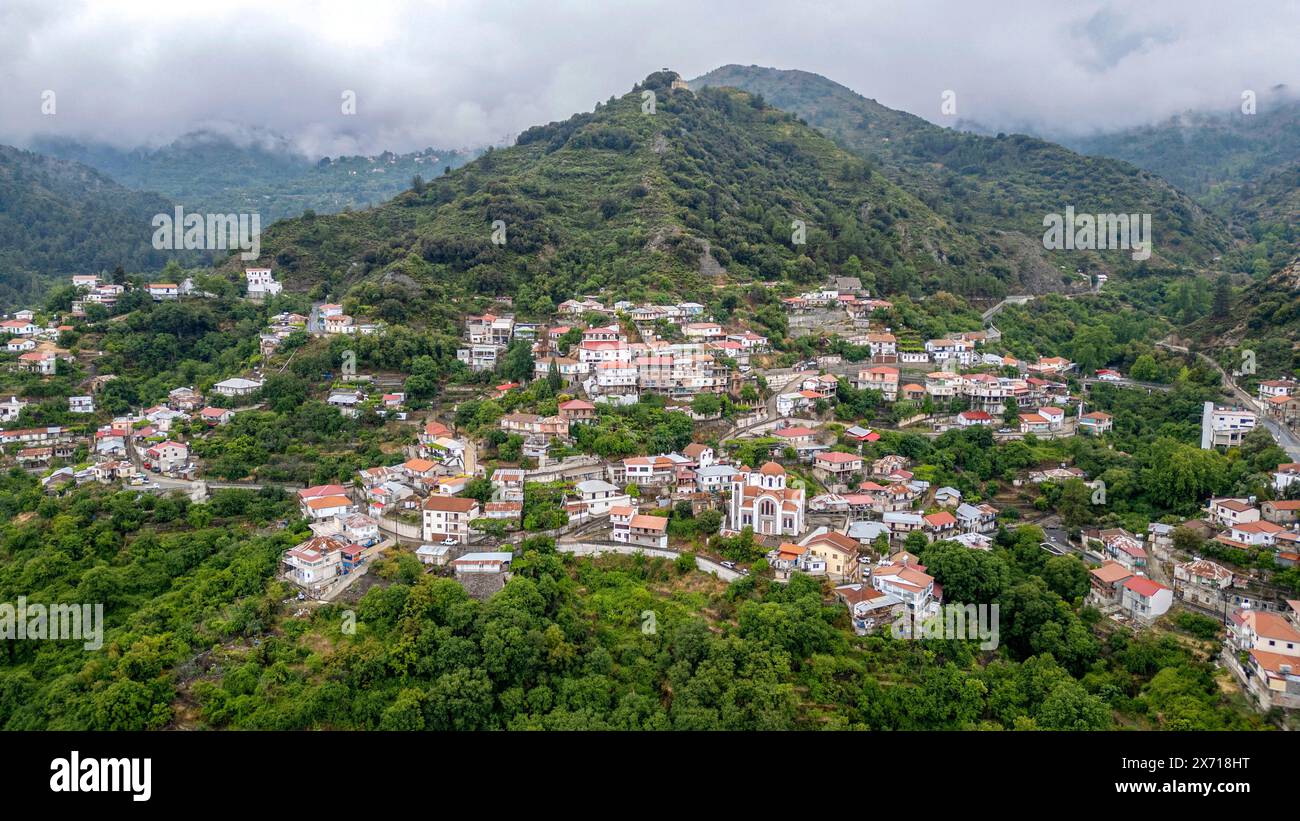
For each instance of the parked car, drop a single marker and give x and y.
(728, 565)
(450, 541)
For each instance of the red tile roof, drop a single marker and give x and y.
(1144, 587)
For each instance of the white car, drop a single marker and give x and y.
(449, 541)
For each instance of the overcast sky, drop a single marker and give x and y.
(450, 73)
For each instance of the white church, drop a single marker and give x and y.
(761, 500)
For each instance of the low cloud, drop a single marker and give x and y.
(451, 74)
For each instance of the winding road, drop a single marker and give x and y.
(1282, 434)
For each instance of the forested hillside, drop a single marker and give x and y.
(1241, 166)
(1202, 152)
(711, 183)
(59, 218)
(1007, 182)
(263, 174)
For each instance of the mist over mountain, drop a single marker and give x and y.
(245, 171)
(1003, 182)
(1203, 152)
(59, 218)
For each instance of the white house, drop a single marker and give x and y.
(971, 418)
(1146, 599)
(597, 496)
(1224, 427)
(1229, 512)
(638, 529)
(237, 386)
(11, 408)
(166, 456)
(714, 478)
(1095, 423)
(164, 290)
(1286, 474)
(316, 563)
(325, 507)
(261, 283)
(18, 327)
(913, 587)
(449, 517)
(494, 562)
(42, 362)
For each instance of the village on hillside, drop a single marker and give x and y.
(661, 429)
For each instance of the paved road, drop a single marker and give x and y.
(769, 408)
(1020, 299)
(1282, 434)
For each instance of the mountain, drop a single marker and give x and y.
(1262, 317)
(59, 218)
(1244, 167)
(1004, 183)
(704, 189)
(256, 173)
(1205, 153)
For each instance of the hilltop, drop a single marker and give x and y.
(1004, 183)
(704, 190)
